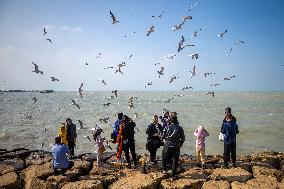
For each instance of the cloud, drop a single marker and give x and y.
(70, 29)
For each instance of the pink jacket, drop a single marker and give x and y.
(200, 134)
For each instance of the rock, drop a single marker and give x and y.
(212, 184)
(34, 183)
(261, 164)
(60, 180)
(10, 181)
(21, 153)
(259, 182)
(213, 159)
(244, 165)
(38, 158)
(4, 169)
(146, 181)
(40, 171)
(281, 185)
(106, 180)
(230, 175)
(102, 170)
(193, 178)
(83, 166)
(270, 158)
(84, 184)
(18, 164)
(267, 172)
(246, 159)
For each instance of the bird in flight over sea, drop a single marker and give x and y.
(161, 71)
(44, 31)
(150, 30)
(130, 103)
(54, 79)
(34, 99)
(81, 124)
(214, 84)
(107, 104)
(113, 18)
(103, 81)
(49, 40)
(223, 33)
(168, 100)
(228, 78)
(186, 88)
(105, 120)
(75, 103)
(99, 55)
(160, 16)
(174, 77)
(193, 73)
(36, 69)
(195, 55)
(210, 93)
(115, 92)
(119, 67)
(148, 84)
(207, 74)
(87, 137)
(80, 90)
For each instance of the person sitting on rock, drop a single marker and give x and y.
(200, 134)
(59, 157)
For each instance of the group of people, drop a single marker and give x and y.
(169, 134)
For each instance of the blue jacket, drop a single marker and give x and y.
(60, 160)
(174, 136)
(116, 126)
(229, 129)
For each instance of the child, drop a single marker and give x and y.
(200, 134)
(63, 134)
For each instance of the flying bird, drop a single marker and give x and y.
(75, 103)
(239, 42)
(103, 81)
(223, 33)
(130, 103)
(81, 124)
(115, 92)
(44, 31)
(160, 16)
(177, 27)
(148, 84)
(80, 90)
(207, 74)
(215, 84)
(180, 43)
(185, 88)
(174, 77)
(119, 67)
(107, 104)
(168, 100)
(194, 56)
(36, 69)
(54, 79)
(113, 18)
(99, 55)
(87, 137)
(150, 30)
(193, 73)
(34, 99)
(210, 93)
(161, 71)
(49, 40)
(105, 120)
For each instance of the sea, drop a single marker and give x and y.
(34, 125)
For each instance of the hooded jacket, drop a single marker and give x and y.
(174, 136)
(200, 134)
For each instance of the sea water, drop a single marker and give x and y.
(260, 117)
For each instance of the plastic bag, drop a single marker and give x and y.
(221, 137)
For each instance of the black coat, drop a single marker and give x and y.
(154, 141)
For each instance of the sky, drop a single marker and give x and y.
(81, 30)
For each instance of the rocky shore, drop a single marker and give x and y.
(32, 169)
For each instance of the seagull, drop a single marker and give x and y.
(150, 83)
(207, 74)
(80, 91)
(133, 97)
(222, 34)
(186, 88)
(107, 104)
(168, 100)
(161, 71)
(81, 125)
(215, 84)
(54, 79)
(44, 31)
(36, 69)
(150, 30)
(103, 81)
(228, 78)
(136, 116)
(87, 64)
(239, 42)
(186, 18)
(34, 99)
(87, 137)
(109, 67)
(29, 117)
(113, 18)
(105, 120)
(130, 103)
(115, 92)
(160, 16)
(119, 67)
(130, 57)
(194, 56)
(210, 93)
(180, 43)
(110, 98)
(49, 40)
(99, 55)
(74, 103)
(177, 27)
(173, 78)
(193, 73)
(179, 95)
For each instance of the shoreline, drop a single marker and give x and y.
(24, 168)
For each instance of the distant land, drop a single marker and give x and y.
(17, 90)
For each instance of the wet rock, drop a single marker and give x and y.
(259, 182)
(261, 164)
(230, 175)
(146, 181)
(18, 164)
(246, 159)
(3, 151)
(10, 181)
(267, 172)
(270, 158)
(212, 184)
(4, 169)
(34, 183)
(20, 153)
(193, 178)
(213, 159)
(244, 165)
(84, 184)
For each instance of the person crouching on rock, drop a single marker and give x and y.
(154, 142)
(59, 157)
(200, 134)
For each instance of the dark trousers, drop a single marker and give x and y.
(229, 152)
(63, 170)
(129, 146)
(153, 150)
(71, 146)
(170, 155)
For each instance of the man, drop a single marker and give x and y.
(71, 135)
(59, 157)
(229, 129)
(173, 141)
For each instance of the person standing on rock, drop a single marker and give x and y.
(173, 140)
(154, 132)
(71, 135)
(59, 157)
(200, 134)
(229, 129)
(116, 127)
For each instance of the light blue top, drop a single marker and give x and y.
(60, 159)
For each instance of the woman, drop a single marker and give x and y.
(154, 142)
(229, 129)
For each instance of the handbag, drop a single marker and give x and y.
(221, 136)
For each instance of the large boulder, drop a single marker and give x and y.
(230, 175)
(259, 182)
(9, 181)
(84, 184)
(4, 169)
(107, 180)
(267, 172)
(40, 171)
(83, 166)
(193, 178)
(145, 181)
(60, 180)
(20, 153)
(212, 184)
(18, 164)
(270, 158)
(34, 183)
